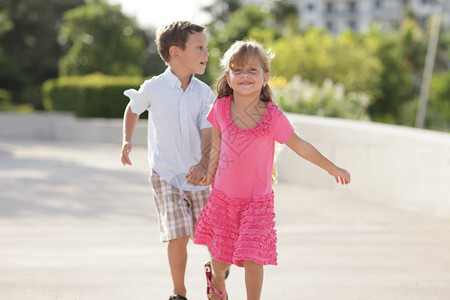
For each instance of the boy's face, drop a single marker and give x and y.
(195, 56)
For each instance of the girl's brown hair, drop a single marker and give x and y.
(236, 56)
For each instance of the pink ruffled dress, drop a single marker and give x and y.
(237, 222)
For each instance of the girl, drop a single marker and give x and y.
(237, 223)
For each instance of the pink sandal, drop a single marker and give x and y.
(209, 285)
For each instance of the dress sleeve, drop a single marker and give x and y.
(206, 108)
(213, 116)
(139, 100)
(282, 128)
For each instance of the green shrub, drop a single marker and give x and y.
(5, 96)
(94, 95)
(7, 105)
(328, 100)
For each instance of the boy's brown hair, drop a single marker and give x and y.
(174, 34)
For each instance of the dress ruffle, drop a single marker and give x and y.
(262, 128)
(238, 229)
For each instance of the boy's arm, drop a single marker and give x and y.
(130, 120)
(310, 153)
(197, 171)
(213, 158)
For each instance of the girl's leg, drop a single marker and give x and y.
(254, 275)
(218, 277)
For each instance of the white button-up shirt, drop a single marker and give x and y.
(175, 119)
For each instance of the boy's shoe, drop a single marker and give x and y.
(177, 297)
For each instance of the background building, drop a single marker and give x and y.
(338, 15)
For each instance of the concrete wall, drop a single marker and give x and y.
(64, 126)
(400, 166)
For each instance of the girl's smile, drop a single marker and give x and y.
(247, 80)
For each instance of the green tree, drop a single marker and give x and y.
(316, 56)
(396, 80)
(5, 23)
(413, 42)
(100, 38)
(30, 46)
(241, 22)
(153, 64)
(220, 12)
(285, 16)
(10, 77)
(438, 113)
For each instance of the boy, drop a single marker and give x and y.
(179, 138)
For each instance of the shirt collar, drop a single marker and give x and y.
(174, 82)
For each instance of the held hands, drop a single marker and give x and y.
(125, 156)
(195, 174)
(340, 175)
(206, 179)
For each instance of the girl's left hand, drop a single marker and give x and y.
(206, 180)
(195, 174)
(341, 176)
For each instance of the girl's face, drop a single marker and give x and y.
(247, 80)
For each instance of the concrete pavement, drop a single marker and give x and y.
(76, 224)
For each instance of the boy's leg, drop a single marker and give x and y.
(177, 253)
(176, 227)
(254, 275)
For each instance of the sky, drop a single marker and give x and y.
(151, 13)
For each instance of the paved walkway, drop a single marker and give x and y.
(76, 224)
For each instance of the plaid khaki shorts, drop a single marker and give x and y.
(178, 210)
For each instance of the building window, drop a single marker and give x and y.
(353, 25)
(377, 4)
(310, 7)
(352, 6)
(329, 7)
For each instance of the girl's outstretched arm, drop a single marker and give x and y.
(310, 153)
(213, 158)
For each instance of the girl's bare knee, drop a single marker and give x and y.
(251, 264)
(219, 266)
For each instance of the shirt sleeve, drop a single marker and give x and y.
(139, 100)
(213, 116)
(282, 128)
(206, 108)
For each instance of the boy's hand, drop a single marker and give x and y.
(125, 156)
(341, 176)
(195, 174)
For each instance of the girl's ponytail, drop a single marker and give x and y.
(266, 94)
